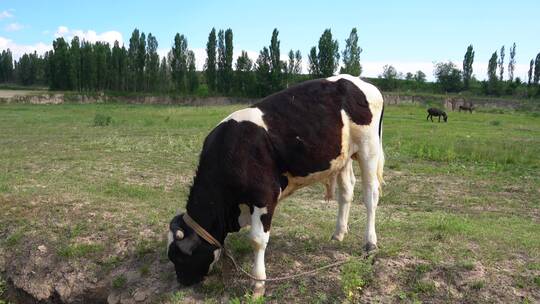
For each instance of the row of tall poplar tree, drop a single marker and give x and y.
(84, 66)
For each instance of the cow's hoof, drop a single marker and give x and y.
(258, 291)
(370, 247)
(337, 237)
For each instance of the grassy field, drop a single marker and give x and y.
(87, 191)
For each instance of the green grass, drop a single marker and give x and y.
(461, 197)
(80, 250)
(119, 282)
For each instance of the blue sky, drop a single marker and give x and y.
(410, 35)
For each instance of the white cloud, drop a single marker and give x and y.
(89, 35)
(5, 14)
(13, 27)
(20, 49)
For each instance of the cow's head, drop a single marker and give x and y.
(445, 117)
(192, 257)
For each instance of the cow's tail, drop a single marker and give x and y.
(380, 162)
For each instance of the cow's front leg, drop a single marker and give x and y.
(259, 239)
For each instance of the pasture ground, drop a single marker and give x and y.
(87, 191)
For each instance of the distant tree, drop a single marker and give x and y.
(512, 62)
(179, 62)
(531, 66)
(133, 56)
(152, 63)
(389, 76)
(493, 82)
(492, 67)
(75, 64)
(60, 66)
(501, 64)
(275, 62)
(468, 60)
(164, 77)
(298, 63)
(6, 66)
(228, 69)
(448, 76)
(293, 67)
(102, 57)
(244, 80)
(420, 77)
(221, 61)
(537, 69)
(328, 56)
(409, 76)
(88, 67)
(210, 66)
(262, 72)
(118, 67)
(314, 68)
(141, 62)
(192, 80)
(27, 69)
(351, 55)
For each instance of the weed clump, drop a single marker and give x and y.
(355, 276)
(102, 120)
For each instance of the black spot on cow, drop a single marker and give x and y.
(304, 122)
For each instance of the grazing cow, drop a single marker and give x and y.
(468, 107)
(258, 156)
(436, 112)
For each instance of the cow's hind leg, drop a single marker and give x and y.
(345, 189)
(369, 160)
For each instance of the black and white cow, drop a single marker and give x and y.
(257, 156)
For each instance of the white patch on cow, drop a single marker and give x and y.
(259, 239)
(245, 216)
(170, 239)
(373, 95)
(253, 115)
(217, 255)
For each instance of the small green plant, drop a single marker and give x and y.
(119, 281)
(144, 270)
(102, 120)
(425, 287)
(356, 274)
(467, 265)
(177, 297)
(14, 238)
(79, 250)
(536, 281)
(3, 287)
(477, 285)
(248, 299)
(495, 123)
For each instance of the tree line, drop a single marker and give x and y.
(449, 78)
(85, 67)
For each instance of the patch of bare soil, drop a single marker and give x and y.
(42, 277)
(403, 277)
(13, 93)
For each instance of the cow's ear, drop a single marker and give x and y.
(188, 243)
